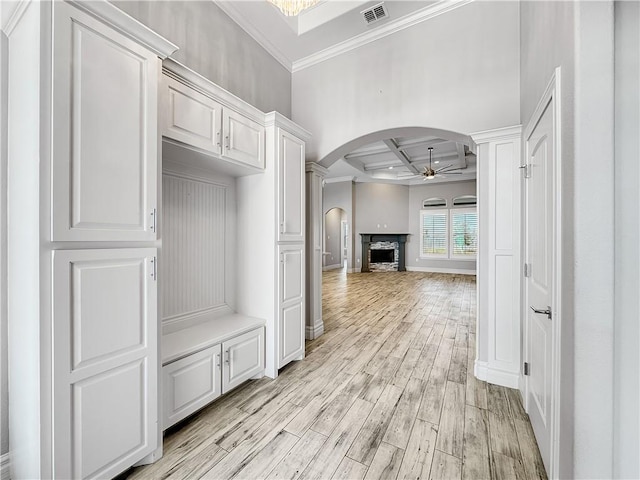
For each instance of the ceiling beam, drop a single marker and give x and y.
(357, 164)
(421, 143)
(401, 155)
(461, 155)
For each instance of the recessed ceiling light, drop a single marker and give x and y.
(436, 161)
(390, 168)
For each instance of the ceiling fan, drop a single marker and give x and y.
(430, 173)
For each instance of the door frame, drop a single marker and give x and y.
(551, 94)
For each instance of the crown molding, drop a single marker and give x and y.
(109, 13)
(339, 179)
(258, 36)
(506, 133)
(389, 28)
(278, 120)
(316, 168)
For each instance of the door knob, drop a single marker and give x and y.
(546, 312)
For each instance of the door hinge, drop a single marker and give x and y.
(154, 268)
(527, 269)
(153, 220)
(526, 170)
(526, 368)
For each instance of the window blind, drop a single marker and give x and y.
(464, 228)
(434, 240)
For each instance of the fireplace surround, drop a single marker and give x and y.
(383, 241)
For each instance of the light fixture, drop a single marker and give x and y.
(430, 173)
(291, 8)
(390, 168)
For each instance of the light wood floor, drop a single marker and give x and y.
(387, 392)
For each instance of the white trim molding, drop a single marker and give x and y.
(339, 179)
(457, 271)
(484, 372)
(419, 16)
(331, 267)
(314, 332)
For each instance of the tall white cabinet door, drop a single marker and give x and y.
(290, 304)
(290, 188)
(191, 117)
(105, 360)
(243, 358)
(243, 139)
(105, 101)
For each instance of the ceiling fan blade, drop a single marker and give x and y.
(443, 168)
(449, 168)
(444, 174)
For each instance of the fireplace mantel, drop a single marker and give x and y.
(369, 238)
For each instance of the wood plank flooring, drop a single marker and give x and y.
(387, 392)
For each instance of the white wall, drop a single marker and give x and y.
(547, 41)
(419, 193)
(627, 275)
(218, 49)
(458, 71)
(4, 380)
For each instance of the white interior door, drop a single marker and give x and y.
(540, 280)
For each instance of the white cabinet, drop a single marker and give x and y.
(191, 117)
(83, 161)
(291, 167)
(104, 360)
(204, 117)
(243, 358)
(191, 383)
(291, 304)
(105, 149)
(207, 360)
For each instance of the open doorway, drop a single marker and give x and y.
(336, 228)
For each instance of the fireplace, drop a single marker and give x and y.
(383, 252)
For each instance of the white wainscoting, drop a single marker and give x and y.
(195, 262)
(498, 356)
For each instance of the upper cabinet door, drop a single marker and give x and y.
(190, 117)
(105, 130)
(290, 188)
(243, 139)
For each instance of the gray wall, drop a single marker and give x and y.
(627, 278)
(546, 41)
(418, 193)
(332, 236)
(217, 48)
(381, 208)
(342, 195)
(458, 71)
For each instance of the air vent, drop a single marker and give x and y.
(375, 13)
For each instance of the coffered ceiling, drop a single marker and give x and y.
(403, 160)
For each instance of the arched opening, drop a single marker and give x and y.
(336, 239)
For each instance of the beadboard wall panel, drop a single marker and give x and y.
(197, 237)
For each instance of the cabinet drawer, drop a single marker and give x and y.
(190, 117)
(243, 139)
(244, 358)
(190, 383)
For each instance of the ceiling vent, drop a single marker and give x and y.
(375, 13)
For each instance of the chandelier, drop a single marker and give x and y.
(291, 8)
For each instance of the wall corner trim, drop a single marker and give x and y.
(316, 168)
(497, 134)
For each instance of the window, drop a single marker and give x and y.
(464, 233)
(449, 233)
(434, 233)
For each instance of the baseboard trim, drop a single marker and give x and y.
(331, 267)
(4, 467)
(312, 332)
(459, 271)
(484, 372)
